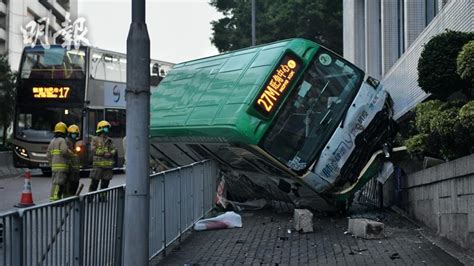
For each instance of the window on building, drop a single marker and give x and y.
(430, 10)
(64, 4)
(401, 27)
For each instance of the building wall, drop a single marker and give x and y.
(389, 34)
(373, 42)
(414, 20)
(392, 53)
(442, 197)
(402, 79)
(354, 31)
(19, 12)
(3, 25)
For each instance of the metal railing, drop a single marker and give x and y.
(371, 194)
(88, 230)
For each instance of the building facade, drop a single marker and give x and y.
(386, 37)
(15, 14)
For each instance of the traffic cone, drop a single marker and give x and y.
(26, 199)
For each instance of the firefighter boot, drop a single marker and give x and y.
(55, 193)
(103, 196)
(67, 190)
(93, 186)
(74, 186)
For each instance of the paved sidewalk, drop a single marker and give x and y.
(264, 239)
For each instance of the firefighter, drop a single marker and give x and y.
(72, 181)
(58, 157)
(103, 151)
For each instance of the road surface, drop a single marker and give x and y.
(11, 188)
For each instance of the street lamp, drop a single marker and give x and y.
(253, 23)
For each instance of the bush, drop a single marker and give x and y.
(443, 130)
(466, 115)
(425, 112)
(465, 62)
(437, 64)
(417, 145)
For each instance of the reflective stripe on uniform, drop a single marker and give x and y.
(102, 147)
(59, 166)
(103, 163)
(55, 152)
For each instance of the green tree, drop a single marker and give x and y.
(465, 62)
(7, 95)
(437, 64)
(316, 20)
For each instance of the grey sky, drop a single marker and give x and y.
(179, 30)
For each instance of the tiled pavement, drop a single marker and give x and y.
(265, 239)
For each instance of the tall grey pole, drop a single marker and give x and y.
(253, 23)
(137, 200)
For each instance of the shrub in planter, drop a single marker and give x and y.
(417, 145)
(465, 62)
(425, 112)
(444, 130)
(466, 114)
(437, 64)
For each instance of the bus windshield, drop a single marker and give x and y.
(312, 110)
(53, 63)
(36, 124)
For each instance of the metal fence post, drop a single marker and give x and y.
(203, 189)
(17, 239)
(119, 229)
(163, 194)
(180, 203)
(78, 232)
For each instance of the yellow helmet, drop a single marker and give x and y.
(73, 129)
(60, 127)
(101, 125)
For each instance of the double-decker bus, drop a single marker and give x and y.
(77, 86)
(280, 119)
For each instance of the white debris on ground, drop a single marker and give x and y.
(229, 219)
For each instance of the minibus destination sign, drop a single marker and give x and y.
(276, 86)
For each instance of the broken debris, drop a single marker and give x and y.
(366, 228)
(303, 220)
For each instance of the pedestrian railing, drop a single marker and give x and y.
(88, 230)
(371, 194)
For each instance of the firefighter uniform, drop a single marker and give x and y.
(58, 157)
(72, 181)
(104, 152)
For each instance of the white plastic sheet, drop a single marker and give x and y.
(227, 220)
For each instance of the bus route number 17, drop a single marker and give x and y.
(51, 92)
